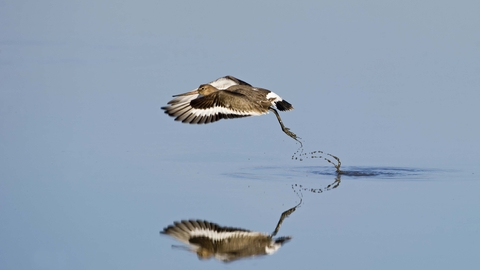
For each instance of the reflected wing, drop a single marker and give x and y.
(186, 230)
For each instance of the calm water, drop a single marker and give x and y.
(91, 169)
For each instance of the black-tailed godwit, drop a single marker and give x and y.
(225, 98)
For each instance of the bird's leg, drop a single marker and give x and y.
(285, 129)
(284, 216)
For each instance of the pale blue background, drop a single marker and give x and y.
(91, 169)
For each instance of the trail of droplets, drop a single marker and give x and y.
(297, 191)
(297, 188)
(300, 156)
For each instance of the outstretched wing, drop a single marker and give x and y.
(219, 105)
(186, 230)
(220, 83)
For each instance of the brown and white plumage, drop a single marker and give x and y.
(225, 98)
(224, 243)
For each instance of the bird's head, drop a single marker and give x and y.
(206, 89)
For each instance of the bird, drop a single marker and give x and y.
(225, 98)
(225, 244)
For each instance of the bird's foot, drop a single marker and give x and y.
(291, 134)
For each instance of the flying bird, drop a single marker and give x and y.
(225, 98)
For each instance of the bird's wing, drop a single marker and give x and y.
(227, 81)
(228, 102)
(220, 83)
(185, 230)
(219, 105)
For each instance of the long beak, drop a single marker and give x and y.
(183, 248)
(194, 92)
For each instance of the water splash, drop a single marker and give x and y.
(300, 155)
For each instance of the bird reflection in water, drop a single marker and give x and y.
(226, 244)
(298, 188)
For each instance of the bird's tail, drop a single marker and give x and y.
(283, 105)
(282, 240)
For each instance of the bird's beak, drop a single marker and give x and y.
(194, 92)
